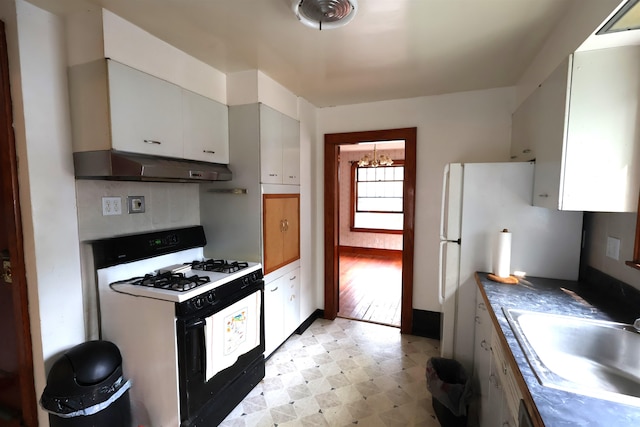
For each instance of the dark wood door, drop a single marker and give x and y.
(17, 394)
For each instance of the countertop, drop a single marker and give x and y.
(557, 407)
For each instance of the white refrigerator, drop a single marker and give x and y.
(478, 201)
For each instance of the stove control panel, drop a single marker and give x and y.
(209, 299)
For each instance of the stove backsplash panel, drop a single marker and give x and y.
(167, 205)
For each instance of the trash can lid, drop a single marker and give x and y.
(92, 362)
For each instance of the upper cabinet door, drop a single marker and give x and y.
(290, 151)
(206, 128)
(270, 145)
(602, 154)
(145, 112)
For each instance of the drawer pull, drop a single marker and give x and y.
(152, 141)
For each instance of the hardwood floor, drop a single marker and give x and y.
(370, 288)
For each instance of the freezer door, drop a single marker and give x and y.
(449, 277)
(451, 208)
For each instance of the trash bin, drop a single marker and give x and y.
(85, 388)
(450, 389)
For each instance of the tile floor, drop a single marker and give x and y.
(340, 373)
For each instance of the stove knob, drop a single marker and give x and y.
(198, 302)
(210, 298)
(245, 280)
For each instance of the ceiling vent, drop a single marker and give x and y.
(325, 14)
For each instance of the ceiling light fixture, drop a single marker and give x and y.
(325, 14)
(376, 160)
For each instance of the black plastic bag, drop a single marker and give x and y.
(449, 384)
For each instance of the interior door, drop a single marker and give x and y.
(17, 394)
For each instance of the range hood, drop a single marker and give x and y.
(121, 166)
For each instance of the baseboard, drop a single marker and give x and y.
(386, 253)
(318, 314)
(426, 324)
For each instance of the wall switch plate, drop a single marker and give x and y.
(111, 206)
(135, 204)
(613, 248)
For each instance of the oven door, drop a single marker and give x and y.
(215, 348)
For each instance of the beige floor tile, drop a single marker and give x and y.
(343, 373)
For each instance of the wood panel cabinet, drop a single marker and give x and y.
(583, 126)
(114, 106)
(281, 230)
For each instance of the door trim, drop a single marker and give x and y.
(11, 205)
(331, 224)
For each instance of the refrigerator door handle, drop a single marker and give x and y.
(445, 178)
(441, 283)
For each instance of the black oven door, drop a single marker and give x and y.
(220, 356)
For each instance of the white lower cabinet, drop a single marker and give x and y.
(281, 309)
(497, 393)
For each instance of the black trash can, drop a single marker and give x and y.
(450, 389)
(85, 388)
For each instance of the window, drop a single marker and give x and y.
(377, 198)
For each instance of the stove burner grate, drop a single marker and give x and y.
(218, 265)
(168, 280)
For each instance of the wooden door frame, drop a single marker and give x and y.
(331, 215)
(11, 205)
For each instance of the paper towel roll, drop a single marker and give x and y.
(502, 255)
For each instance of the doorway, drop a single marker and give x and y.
(332, 216)
(17, 394)
(371, 177)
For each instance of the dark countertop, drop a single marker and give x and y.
(557, 407)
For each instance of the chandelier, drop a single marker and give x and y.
(376, 160)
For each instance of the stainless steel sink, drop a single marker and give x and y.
(590, 357)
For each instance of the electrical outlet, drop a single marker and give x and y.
(111, 206)
(613, 248)
(135, 204)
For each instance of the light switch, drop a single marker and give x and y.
(613, 248)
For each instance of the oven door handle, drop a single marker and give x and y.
(195, 323)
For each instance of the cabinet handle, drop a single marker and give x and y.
(273, 174)
(286, 225)
(513, 157)
(293, 278)
(152, 141)
(478, 321)
(482, 306)
(526, 151)
(543, 195)
(209, 151)
(494, 381)
(484, 345)
(291, 176)
(275, 289)
(282, 226)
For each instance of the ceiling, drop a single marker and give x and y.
(392, 49)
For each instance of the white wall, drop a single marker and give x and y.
(312, 290)
(460, 127)
(621, 226)
(581, 20)
(47, 197)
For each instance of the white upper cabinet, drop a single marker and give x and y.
(146, 113)
(279, 147)
(583, 126)
(114, 106)
(206, 128)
